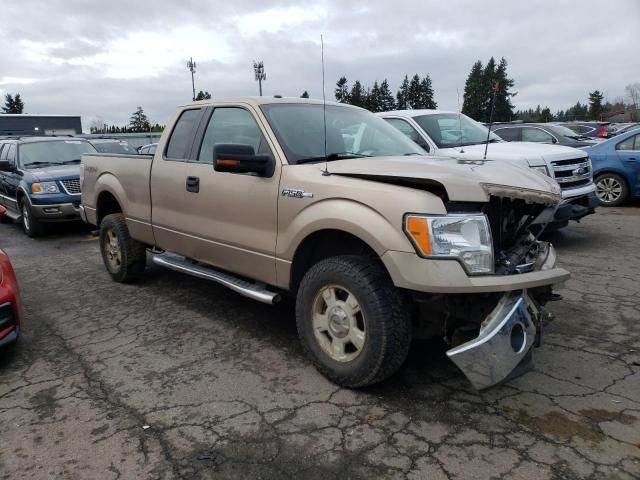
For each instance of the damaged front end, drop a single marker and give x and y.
(495, 342)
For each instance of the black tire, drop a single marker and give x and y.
(30, 224)
(385, 314)
(132, 254)
(611, 189)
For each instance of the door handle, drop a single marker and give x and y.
(193, 184)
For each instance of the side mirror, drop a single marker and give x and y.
(238, 158)
(554, 140)
(3, 211)
(5, 166)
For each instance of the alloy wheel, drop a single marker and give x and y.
(608, 189)
(112, 250)
(338, 323)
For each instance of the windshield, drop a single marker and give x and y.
(62, 152)
(564, 131)
(114, 147)
(451, 130)
(351, 133)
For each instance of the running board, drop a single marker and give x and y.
(243, 287)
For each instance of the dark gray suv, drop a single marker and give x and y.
(540, 133)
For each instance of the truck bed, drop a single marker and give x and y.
(127, 178)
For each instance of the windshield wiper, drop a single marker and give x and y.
(70, 162)
(38, 164)
(332, 156)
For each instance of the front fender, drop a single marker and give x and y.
(345, 215)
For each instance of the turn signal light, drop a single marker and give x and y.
(419, 230)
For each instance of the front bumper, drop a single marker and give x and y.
(411, 272)
(504, 342)
(57, 212)
(576, 207)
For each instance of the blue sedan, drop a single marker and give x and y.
(616, 168)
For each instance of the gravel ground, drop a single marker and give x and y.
(179, 378)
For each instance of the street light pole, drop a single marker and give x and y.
(191, 65)
(258, 68)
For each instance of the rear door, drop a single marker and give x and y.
(167, 183)
(509, 134)
(232, 218)
(11, 178)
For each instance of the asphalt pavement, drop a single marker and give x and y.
(176, 377)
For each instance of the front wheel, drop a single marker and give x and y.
(124, 257)
(611, 189)
(352, 321)
(31, 225)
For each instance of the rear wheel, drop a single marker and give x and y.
(352, 321)
(31, 225)
(124, 257)
(611, 189)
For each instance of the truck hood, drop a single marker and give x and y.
(463, 180)
(525, 153)
(58, 172)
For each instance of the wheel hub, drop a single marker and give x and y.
(339, 322)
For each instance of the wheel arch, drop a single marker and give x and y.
(106, 204)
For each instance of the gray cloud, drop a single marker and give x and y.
(104, 59)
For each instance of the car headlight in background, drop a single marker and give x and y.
(542, 169)
(44, 187)
(466, 238)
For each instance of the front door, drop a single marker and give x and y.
(11, 180)
(232, 217)
(629, 154)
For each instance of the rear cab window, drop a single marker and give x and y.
(183, 134)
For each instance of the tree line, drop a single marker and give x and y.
(592, 109)
(138, 123)
(415, 93)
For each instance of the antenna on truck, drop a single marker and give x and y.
(324, 111)
(459, 121)
(493, 107)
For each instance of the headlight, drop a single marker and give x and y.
(542, 169)
(467, 238)
(44, 187)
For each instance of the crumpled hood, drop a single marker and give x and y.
(57, 172)
(525, 153)
(464, 180)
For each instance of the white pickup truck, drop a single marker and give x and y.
(451, 134)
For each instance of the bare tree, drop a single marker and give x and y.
(633, 93)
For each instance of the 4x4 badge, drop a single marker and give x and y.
(295, 193)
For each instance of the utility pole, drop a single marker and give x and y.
(258, 68)
(191, 65)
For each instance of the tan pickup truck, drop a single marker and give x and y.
(331, 205)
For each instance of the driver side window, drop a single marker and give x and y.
(536, 135)
(231, 125)
(404, 127)
(630, 144)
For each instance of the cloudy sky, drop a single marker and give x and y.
(102, 59)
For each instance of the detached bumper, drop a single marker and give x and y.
(504, 342)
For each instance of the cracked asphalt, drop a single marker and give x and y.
(176, 377)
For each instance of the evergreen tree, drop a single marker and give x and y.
(139, 121)
(504, 108)
(546, 115)
(386, 101)
(595, 105)
(403, 94)
(305, 94)
(358, 96)
(373, 98)
(426, 94)
(488, 86)
(13, 104)
(342, 90)
(472, 105)
(203, 95)
(413, 98)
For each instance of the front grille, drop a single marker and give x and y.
(72, 186)
(572, 173)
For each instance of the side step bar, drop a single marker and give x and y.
(243, 287)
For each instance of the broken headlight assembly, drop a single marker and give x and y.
(463, 237)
